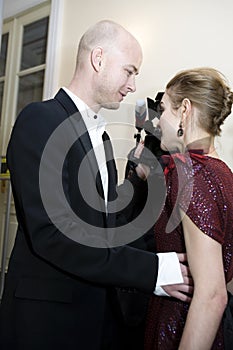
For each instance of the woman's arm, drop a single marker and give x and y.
(210, 296)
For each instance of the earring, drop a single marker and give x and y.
(180, 131)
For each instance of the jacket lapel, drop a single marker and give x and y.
(111, 166)
(78, 126)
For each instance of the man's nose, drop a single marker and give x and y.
(131, 86)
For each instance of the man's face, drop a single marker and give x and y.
(117, 78)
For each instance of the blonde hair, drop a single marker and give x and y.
(208, 90)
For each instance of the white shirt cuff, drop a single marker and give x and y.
(169, 272)
(160, 292)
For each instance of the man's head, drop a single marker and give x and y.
(108, 59)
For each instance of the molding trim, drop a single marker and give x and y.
(53, 47)
(1, 19)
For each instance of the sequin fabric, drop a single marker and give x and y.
(203, 187)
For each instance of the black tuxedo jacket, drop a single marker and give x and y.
(58, 291)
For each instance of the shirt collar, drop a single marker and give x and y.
(93, 121)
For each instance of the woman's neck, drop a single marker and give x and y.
(206, 144)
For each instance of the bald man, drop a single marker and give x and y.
(67, 258)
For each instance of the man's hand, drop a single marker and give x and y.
(181, 291)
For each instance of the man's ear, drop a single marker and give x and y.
(96, 57)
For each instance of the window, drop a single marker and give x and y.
(32, 63)
(22, 65)
(4, 45)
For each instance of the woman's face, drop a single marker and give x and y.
(169, 125)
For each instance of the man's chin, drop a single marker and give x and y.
(111, 105)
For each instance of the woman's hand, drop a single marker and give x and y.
(142, 170)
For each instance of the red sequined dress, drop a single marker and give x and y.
(203, 187)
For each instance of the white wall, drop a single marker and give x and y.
(175, 34)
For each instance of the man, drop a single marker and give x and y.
(65, 264)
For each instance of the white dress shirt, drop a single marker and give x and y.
(95, 125)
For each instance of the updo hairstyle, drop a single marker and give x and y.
(208, 90)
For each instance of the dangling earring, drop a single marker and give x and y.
(180, 131)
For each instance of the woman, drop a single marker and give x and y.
(198, 213)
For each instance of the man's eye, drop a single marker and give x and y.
(129, 72)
